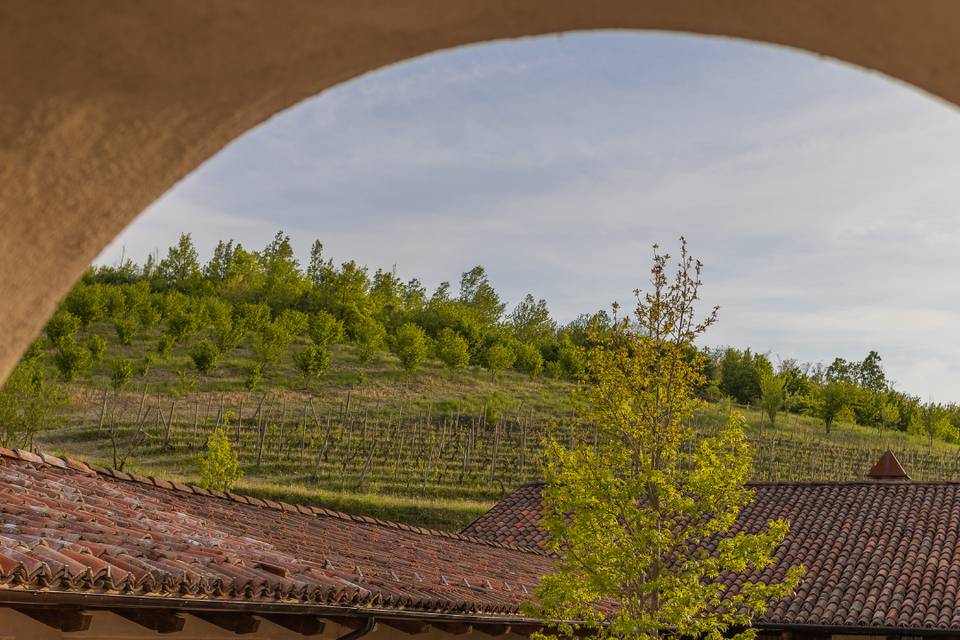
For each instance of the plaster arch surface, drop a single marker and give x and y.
(105, 104)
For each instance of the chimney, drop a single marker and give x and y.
(888, 468)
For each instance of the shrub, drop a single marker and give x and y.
(369, 336)
(146, 363)
(252, 374)
(294, 322)
(452, 350)
(62, 325)
(164, 345)
(70, 358)
(312, 361)
(528, 358)
(410, 345)
(97, 346)
(204, 355)
(219, 465)
(324, 329)
(498, 357)
(121, 372)
(86, 303)
(126, 327)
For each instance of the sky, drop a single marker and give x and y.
(821, 197)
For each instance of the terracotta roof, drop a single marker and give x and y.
(878, 554)
(66, 526)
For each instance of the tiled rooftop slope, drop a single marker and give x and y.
(878, 553)
(67, 526)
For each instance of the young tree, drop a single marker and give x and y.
(29, 403)
(452, 350)
(530, 321)
(889, 415)
(63, 324)
(497, 357)
(97, 346)
(181, 268)
(126, 325)
(771, 395)
(369, 336)
(204, 355)
(86, 303)
(641, 520)
(311, 362)
(835, 396)
(219, 465)
(70, 358)
(121, 372)
(528, 358)
(324, 329)
(270, 343)
(410, 345)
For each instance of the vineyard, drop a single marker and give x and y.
(410, 461)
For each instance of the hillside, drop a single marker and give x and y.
(362, 392)
(433, 446)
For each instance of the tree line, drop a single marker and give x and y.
(265, 303)
(845, 391)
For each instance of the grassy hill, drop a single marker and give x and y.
(435, 447)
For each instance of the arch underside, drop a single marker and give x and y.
(105, 104)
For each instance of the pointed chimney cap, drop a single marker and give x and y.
(888, 468)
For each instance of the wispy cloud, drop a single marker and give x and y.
(822, 197)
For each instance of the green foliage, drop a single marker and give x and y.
(771, 395)
(835, 396)
(62, 325)
(283, 284)
(181, 268)
(452, 349)
(29, 403)
(204, 356)
(219, 466)
(531, 322)
(889, 415)
(293, 322)
(86, 303)
(70, 358)
(252, 375)
(121, 373)
(164, 345)
(624, 512)
(410, 345)
(271, 342)
(145, 363)
(741, 372)
(97, 346)
(369, 336)
(528, 358)
(324, 329)
(312, 361)
(228, 333)
(126, 326)
(497, 357)
(181, 315)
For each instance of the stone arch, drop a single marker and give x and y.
(105, 104)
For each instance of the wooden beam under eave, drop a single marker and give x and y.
(412, 627)
(453, 628)
(159, 620)
(525, 630)
(64, 619)
(305, 625)
(239, 623)
(494, 629)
